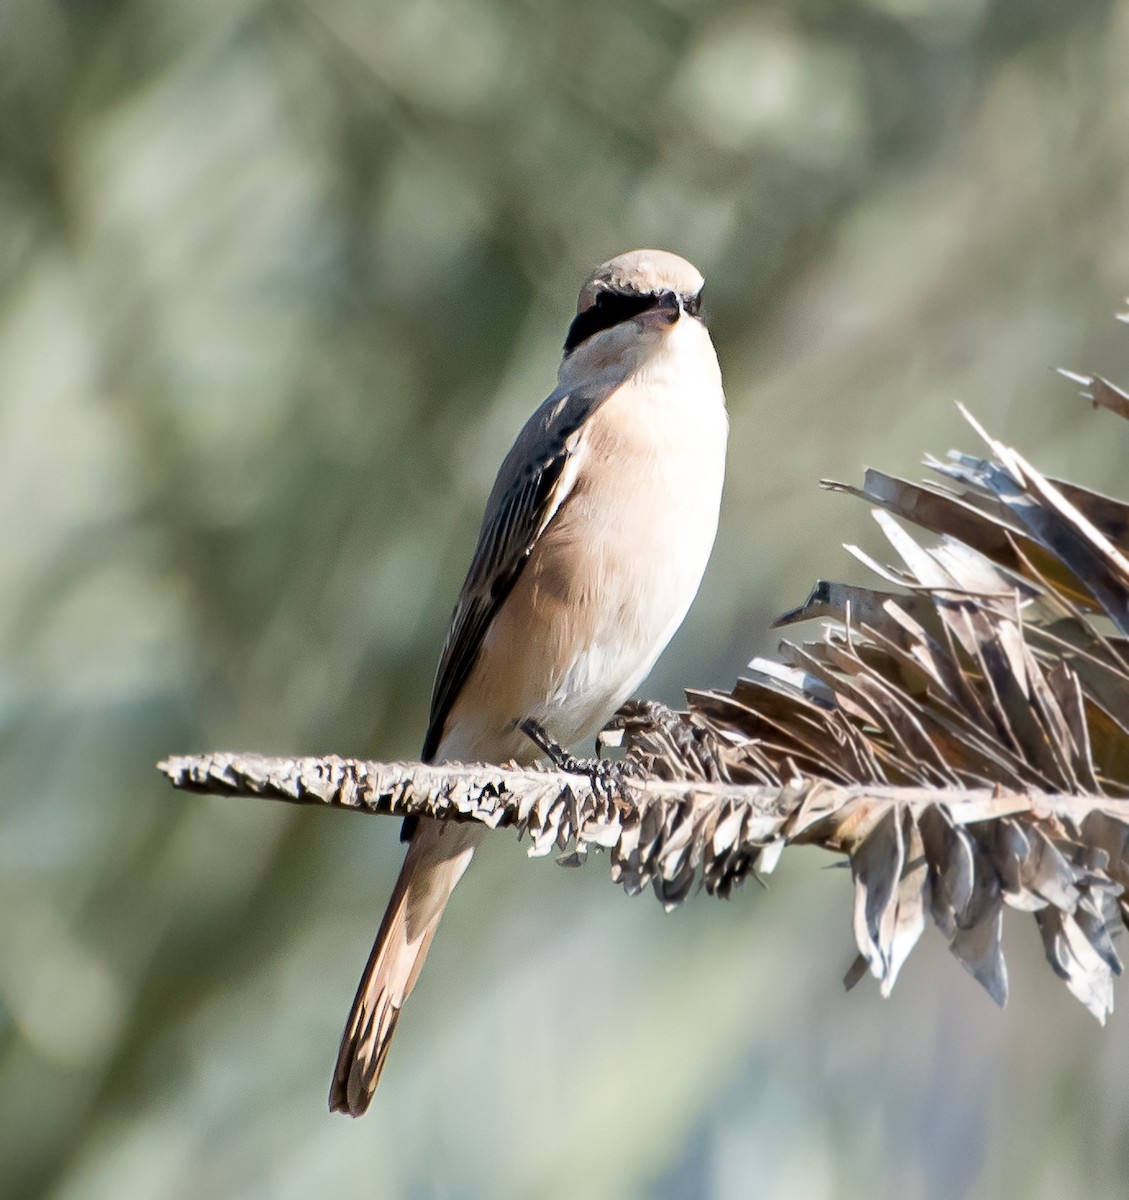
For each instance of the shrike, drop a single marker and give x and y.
(594, 541)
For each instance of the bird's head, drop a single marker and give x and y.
(631, 294)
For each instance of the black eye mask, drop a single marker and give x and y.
(613, 308)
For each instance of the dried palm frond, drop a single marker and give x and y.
(1000, 661)
(959, 734)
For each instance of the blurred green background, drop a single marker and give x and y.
(279, 281)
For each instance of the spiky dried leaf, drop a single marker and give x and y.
(962, 739)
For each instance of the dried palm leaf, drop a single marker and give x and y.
(959, 734)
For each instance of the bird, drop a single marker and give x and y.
(594, 541)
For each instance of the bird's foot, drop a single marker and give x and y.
(555, 752)
(607, 776)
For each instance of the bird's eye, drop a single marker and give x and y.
(692, 305)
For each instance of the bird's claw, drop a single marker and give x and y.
(607, 776)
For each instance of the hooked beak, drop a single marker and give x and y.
(666, 309)
(670, 305)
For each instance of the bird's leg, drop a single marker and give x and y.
(555, 752)
(607, 776)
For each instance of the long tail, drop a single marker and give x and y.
(439, 853)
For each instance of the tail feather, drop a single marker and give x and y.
(438, 855)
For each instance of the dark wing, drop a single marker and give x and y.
(533, 482)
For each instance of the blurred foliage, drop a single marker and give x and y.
(278, 283)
